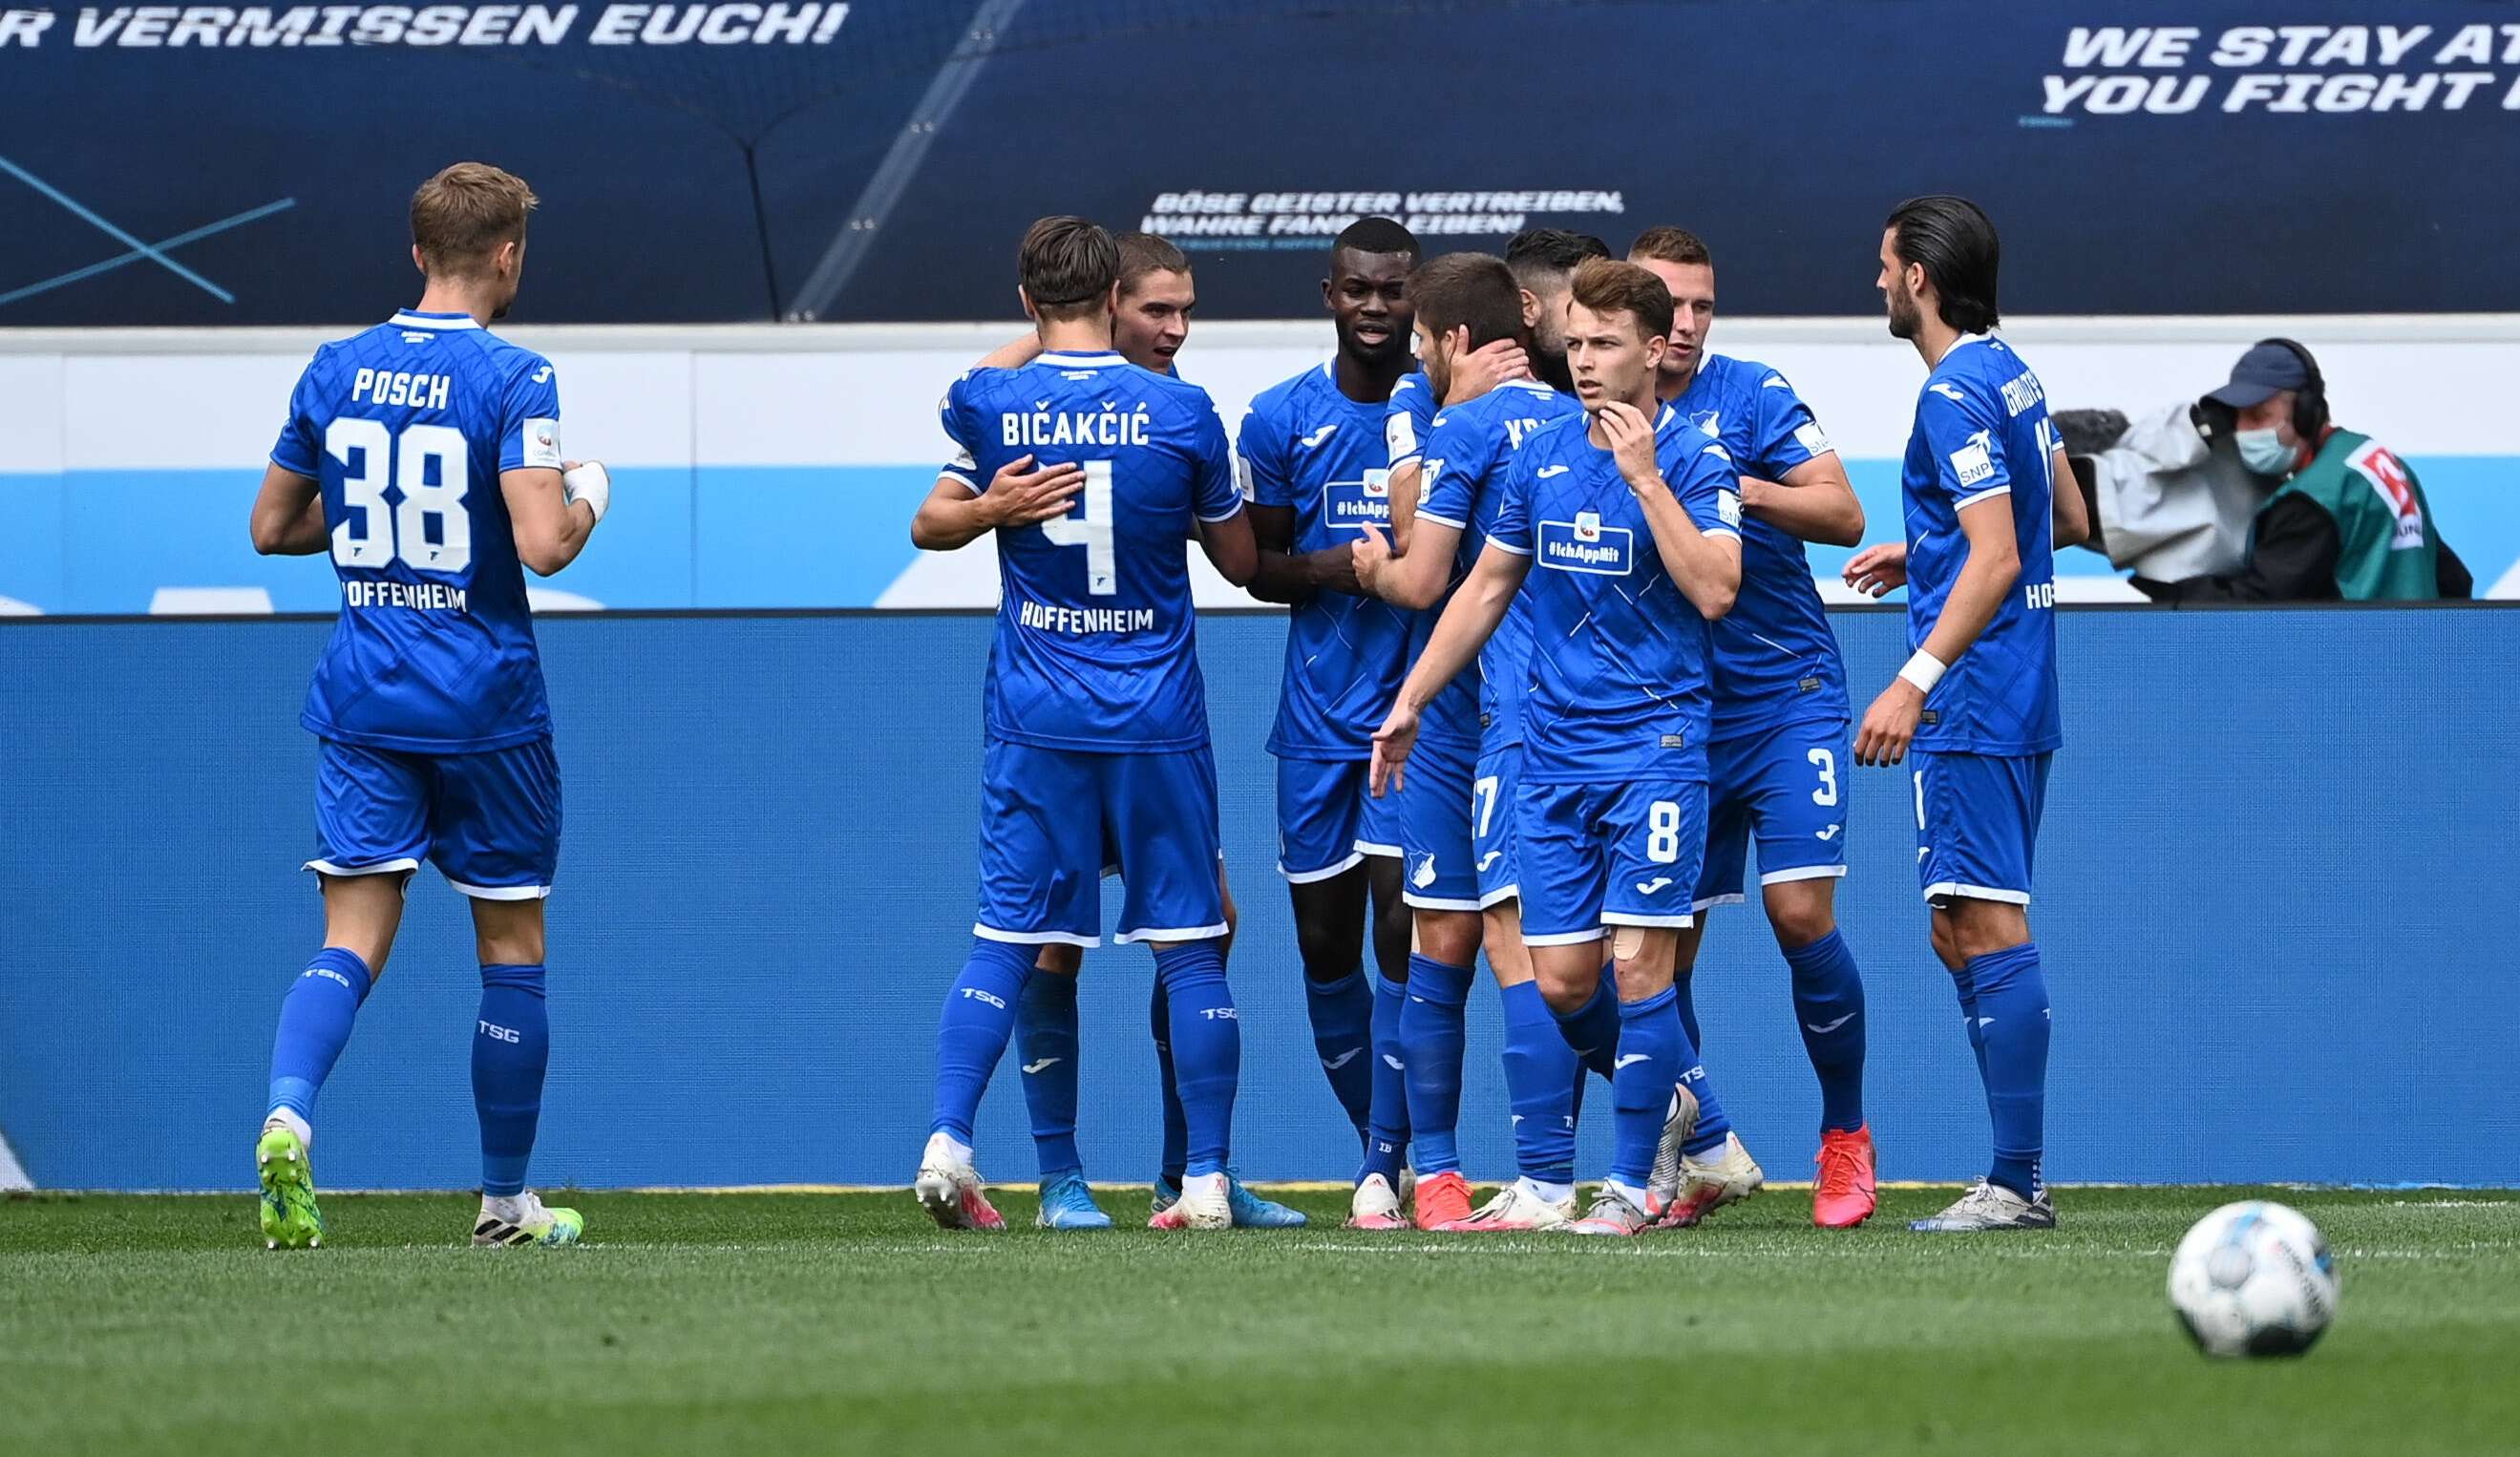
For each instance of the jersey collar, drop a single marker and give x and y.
(415, 319)
(1100, 359)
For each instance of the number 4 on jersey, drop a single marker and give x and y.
(1092, 530)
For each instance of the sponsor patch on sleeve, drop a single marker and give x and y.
(542, 443)
(1728, 507)
(1811, 437)
(1242, 479)
(1400, 436)
(1971, 464)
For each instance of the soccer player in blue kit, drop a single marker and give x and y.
(1778, 739)
(1623, 526)
(1468, 302)
(424, 454)
(1096, 710)
(1314, 469)
(1978, 700)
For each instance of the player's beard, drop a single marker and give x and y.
(1552, 366)
(1905, 316)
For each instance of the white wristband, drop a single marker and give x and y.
(590, 483)
(1924, 670)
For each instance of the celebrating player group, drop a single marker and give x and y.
(1555, 661)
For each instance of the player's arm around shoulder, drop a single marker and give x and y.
(1022, 492)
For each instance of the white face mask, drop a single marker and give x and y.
(2265, 450)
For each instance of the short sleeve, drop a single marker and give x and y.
(1783, 432)
(296, 450)
(953, 414)
(1459, 453)
(529, 418)
(1266, 480)
(1510, 530)
(1960, 433)
(1708, 487)
(1409, 419)
(1213, 494)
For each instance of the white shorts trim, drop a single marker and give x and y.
(1976, 892)
(383, 867)
(1562, 938)
(1354, 858)
(1034, 938)
(1499, 895)
(1728, 898)
(1378, 850)
(1660, 922)
(503, 892)
(1800, 872)
(1416, 902)
(1192, 933)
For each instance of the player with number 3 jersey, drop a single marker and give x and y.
(424, 454)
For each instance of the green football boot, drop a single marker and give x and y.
(289, 1218)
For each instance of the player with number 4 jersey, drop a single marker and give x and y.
(424, 454)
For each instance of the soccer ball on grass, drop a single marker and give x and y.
(2253, 1279)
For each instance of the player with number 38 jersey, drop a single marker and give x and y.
(424, 457)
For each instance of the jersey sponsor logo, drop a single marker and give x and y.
(1728, 507)
(1585, 545)
(1399, 436)
(1974, 462)
(1811, 437)
(1306, 442)
(543, 375)
(1081, 620)
(1109, 426)
(1348, 505)
(2387, 475)
(402, 387)
(1545, 472)
(542, 443)
(1949, 391)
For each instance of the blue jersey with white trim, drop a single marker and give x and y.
(406, 427)
(1462, 485)
(1306, 445)
(1621, 661)
(1410, 417)
(1095, 647)
(1776, 660)
(1982, 431)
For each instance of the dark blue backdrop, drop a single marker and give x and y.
(2275, 901)
(701, 181)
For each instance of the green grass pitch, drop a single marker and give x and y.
(778, 1323)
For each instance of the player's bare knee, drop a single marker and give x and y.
(1450, 937)
(508, 932)
(1801, 914)
(1644, 958)
(1568, 975)
(1501, 936)
(1947, 946)
(362, 913)
(1983, 927)
(1062, 960)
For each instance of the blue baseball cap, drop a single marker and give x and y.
(2267, 367)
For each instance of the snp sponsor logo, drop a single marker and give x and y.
(1585, 545)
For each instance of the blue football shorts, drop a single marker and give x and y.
(1977, 823)
(1620, 853)
(1050, 819)
(1781, 787)
(1329, 819)
(489, 821)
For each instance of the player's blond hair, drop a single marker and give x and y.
(460, 217)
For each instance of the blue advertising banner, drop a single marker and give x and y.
(198, 164)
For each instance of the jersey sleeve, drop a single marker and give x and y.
(954, 413)
(1708, 486)
(296, 450)
(1410, 419)
(1266, 478)
(1784, 431)
(529, 418)
(1960, 431)
(1510, 531)
(1457, 454)
(1213, 495)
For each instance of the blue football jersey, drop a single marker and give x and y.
(1462, 483)
(1308, 446)
(1094, 648)
(1982, 430)
(406, 427)
(1776, 660)
(1621, 663)
(1410, 417)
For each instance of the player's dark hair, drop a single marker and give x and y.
(1142, 253)
(1664, 243)
(1542, 258)
(1068, 266)
(1473, 289)
(1606, 287)
(460, 217)
(1376, 235)
(1954, 241)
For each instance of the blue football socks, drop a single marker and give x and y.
(1543, 1080)
(971, 1034)
(511, 1050)
(1046, 1050)
(2012, 1023)
(1342, 1018)
(1828, 1007)
(315, 1019)
(1207, 1050)
(1433, 1026)
(1386, 1136)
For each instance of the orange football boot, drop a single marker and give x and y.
(1842, 1194)
(1442, 1199)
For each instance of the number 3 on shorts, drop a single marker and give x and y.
(1662, 832)
(1826, 763)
